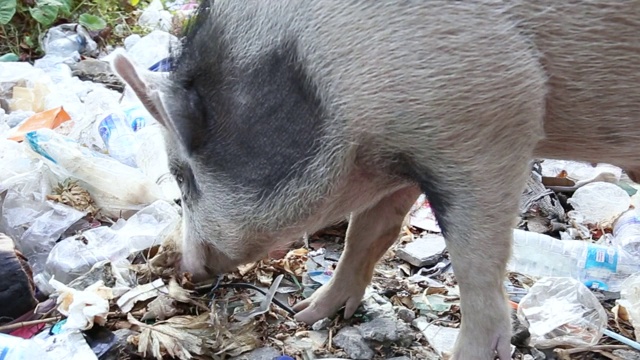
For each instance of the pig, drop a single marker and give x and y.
(284, 116)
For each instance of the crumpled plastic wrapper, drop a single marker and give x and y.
(83, 308)
(562, 311)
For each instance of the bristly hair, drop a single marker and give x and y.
(189, 42)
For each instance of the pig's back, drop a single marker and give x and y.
(438, 60)
(591, 53)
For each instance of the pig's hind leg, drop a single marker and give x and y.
(369, 236)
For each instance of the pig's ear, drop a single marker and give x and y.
(146, 85)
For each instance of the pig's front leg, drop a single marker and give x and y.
(369, 236)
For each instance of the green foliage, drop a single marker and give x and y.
(92, 22)
(7, 10)
(22, 22)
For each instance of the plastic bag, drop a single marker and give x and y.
(114, 186)
(74, 256)
(66, 39)
(25, 214)
(630, 300)
(155, 17)
(4, 126)
(97, 102)
(600, 202)
(152, 159)
(153, 48)
(562, 311)
(20, 74)
(580, 173)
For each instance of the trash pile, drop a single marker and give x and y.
(90, 221)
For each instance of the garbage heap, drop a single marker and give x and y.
(90, 220)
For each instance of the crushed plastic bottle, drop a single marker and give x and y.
(626, 232)
(15, 348)
(117, 131)
(597, 266)
(119, 138)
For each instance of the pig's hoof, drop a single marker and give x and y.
(327, 300)
(478, 347)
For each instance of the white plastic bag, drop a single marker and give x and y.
(155, 17)
(581, 173)
(115, 187)
(562, 311)
(25, 215)
(75, 255)
(600, 202)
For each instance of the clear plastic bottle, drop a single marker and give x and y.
(626, 232)
(15, 348)
(117, 134)
(597, 266)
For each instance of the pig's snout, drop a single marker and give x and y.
(205, 258)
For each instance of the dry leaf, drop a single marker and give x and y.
(177, 292)
(140, 293)
(160, 308)
(620, 312)
(436, 290)
(245, 269)
(180, 336)
(264, 277)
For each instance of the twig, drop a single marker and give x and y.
(27, 323)
(608, 355)
(564, 353)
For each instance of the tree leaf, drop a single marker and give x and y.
(44, 14)
(7, 10)
(63, 6)
(92, 22)
(134, 2)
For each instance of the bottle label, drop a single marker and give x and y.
(601, 257)
(135, 118)
(596, 285)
